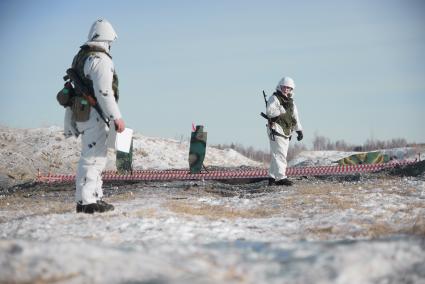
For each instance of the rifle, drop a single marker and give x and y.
(83, 91)
(270, 121)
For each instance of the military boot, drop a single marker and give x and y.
(100, 206)
(79, 208)
(284, 181)
(108, 207)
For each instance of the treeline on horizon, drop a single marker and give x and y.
(320, 143)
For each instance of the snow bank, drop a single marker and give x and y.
(25, 151)
(161, 153)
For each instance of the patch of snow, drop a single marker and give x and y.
(318, 158)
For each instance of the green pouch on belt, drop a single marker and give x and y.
(81, 109)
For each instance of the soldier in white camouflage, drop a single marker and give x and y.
(283, 113)
(93, 64)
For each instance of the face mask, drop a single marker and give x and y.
(286, 90)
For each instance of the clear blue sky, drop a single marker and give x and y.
(359, 65)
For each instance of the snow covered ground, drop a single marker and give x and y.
(368, 229)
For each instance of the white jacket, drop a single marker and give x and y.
(100, 69)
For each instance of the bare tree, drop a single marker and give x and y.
(341, 145)
(372, 144)
(320, 143)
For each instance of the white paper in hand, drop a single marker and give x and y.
(123, 141)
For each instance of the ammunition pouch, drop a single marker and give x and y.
(80, 109)
(82, 97)
(79, 104)
(66, 96)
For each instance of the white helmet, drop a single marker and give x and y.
(287, 82)
(102, 30)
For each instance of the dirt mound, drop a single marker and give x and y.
(412, 170)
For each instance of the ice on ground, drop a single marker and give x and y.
(383, 261)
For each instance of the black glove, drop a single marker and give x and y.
(300, 135)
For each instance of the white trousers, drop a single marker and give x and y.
(278, 151)
(93, 159)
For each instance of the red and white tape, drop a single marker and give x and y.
(169, 175)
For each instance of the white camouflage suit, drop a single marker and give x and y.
(94, 132)
(279, 147)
